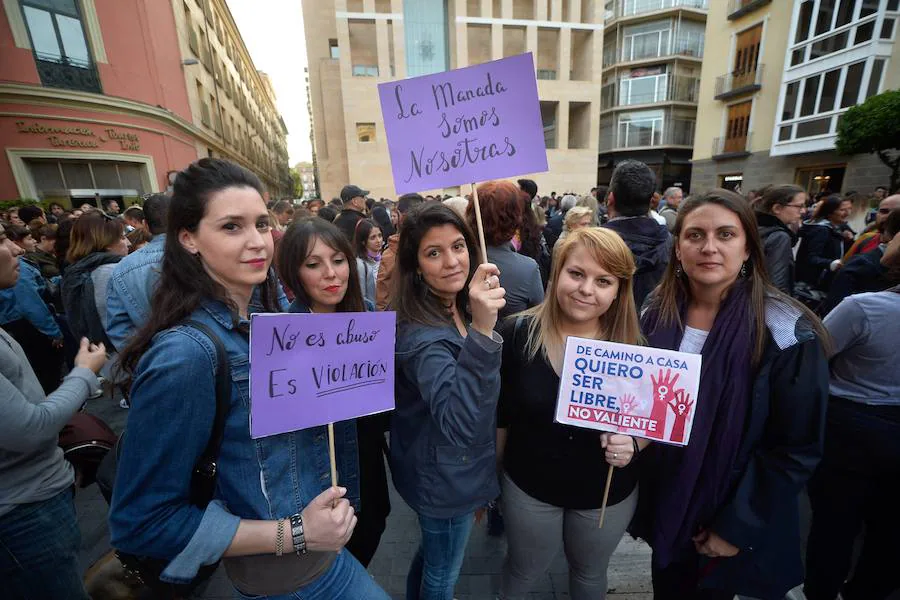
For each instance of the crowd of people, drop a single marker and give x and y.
(793, 313)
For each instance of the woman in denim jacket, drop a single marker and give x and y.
(443, 431)
(218, 249)
(315, 262)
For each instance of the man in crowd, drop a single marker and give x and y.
(284, 211)
(134, 217)
(870, 240)
(385, 275)
(630, 190)
(353, 200)
(669, 212)
(112, 208)
(30, 213)
(555, 225)
(134, 277)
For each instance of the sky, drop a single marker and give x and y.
(273, 33)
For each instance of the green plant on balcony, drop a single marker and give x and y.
(874, 127)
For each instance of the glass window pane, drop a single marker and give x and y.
(106, 176)
(829, 90)
(77, 175)
(828, 45)
(852, 84)
(130, 176)
(864, 32)
(66, 7)
(887, 29)
(826, 13)
(43, 34)
(869, 7)
(797, 56)
(810, 128)
(893, 5)
(875, 78)
(425, 25)
(74, 44)
(790, 101)
(803, 21)
(784, 133)
(845, 12)
(45, 174)
(809, 96)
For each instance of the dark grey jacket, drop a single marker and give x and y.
(519, 276)
(778, 242)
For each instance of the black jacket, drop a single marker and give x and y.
(862, 273)
(77, 290)
(821, 243)
(553, 230)
(651, 245)
(346, 221)
(778, 241)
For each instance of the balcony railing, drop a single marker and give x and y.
(739, 8)
(731, 147)
(678, 89)
(67, 73)
(738, 82)
(668, 132)
(630, 8)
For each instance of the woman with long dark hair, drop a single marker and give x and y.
(822, 243)
(780, 209)
(722, 513)
(368, 242)
(278, 528)
(443, 431)
(315, 262)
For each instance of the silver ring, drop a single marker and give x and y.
(615, 456)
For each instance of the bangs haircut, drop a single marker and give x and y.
(93, 232)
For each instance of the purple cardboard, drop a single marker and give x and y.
(314, 369)
(464, 126)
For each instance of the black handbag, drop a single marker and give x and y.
(145, 569)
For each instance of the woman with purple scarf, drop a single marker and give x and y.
(721, 513)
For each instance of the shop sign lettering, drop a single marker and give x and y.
(81, 137)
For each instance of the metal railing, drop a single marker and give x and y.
(737, 81)
(630, 8)
(723, 146)
(67, 73)
(673, 132)
(678, 89)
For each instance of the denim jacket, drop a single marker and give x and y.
(171, 416)
(25, 301)
(444, 426)
(129, 291)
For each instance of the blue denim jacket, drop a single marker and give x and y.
(129, 291)
(25, 301)
(172, 410)
(444, 426)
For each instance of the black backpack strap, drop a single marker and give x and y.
(206, 465)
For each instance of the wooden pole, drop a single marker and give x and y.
(605, 495)
(478, 223)
(334, 480)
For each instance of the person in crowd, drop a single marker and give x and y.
(655, 201)
(381, 215)
(21, 237)
(443, 430)
(25, 314)
(384, 280)
(63, 240)
(328, 213)
(138, 238)
(870, 240)
(879, 193)
(56, 210)
(822, 244)
(628, 202)
(353, 200)
(112, 208)
(278, 528)
(76, 213)
(718, 520)
(38, 526)
(32, 212)
(134, 278)
(134, 217)
(532, 242)
(367, 243)
(43, 256)
(576, 218)
(316, 264)
(13, 215)
(590, 202)
(589, 296)
(284, 212)
(551, 207)
(864, 272)
(672, 198)
(555, 220)
(315, 205)
(778, 215)
(502, 203)
(856, 482)
(457, 204)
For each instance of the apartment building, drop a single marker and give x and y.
(113, 98)
(652, 55)
(352, 45)
(772, 98)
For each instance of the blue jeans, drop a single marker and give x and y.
(435, 568)
(39, 545)
(345, 580)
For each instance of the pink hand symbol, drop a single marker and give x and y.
(663, 394)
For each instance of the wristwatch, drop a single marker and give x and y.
(297, 534)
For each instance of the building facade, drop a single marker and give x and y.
(307, 174)
(352, 45)
(652, 54)
(772, 102)
(113, 98)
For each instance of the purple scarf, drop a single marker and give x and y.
(692, 482)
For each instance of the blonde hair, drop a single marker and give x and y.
(458, 205)
(591, 203)
(574, 215)
(618, 324)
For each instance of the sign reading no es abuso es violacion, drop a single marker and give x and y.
(465, 125)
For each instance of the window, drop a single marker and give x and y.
(548, 119)
(852, 84)
(816, 127)
(427, 46)
(790, 101)
(810, 89)
(643, 128)
(803, 21)
(864, 32)
(365, 132)
(60, 46)
(648, 40)
(828, 45)
(829, 90)
(643, 89)
(333, 50)
(737, 127)
(875, 77)
(887, 30)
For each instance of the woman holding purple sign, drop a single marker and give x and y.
(553, 474)
(260, 505)
(443, 430)
(722, 512)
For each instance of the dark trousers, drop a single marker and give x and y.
(680, 581)
(45, 360)
(856, 484)
(373, 490)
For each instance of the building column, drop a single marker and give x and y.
(565, 53)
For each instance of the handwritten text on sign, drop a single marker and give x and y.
(308, 369)
(639, 391)
(463, 126)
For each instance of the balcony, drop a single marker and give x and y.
(649, 90)
(731, 147)
(738, 83)
(71, 74)
(739, 8)
(633, 8)
(646, 130)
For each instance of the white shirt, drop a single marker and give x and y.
(693, 340)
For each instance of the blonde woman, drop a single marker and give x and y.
(553, 474)
(576, 218)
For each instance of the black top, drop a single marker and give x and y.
(554, 463)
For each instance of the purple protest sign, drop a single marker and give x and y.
(464, 126)
(308, 369)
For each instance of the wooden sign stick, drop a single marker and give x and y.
(334, 480)
(484, 257)
(605, 495)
